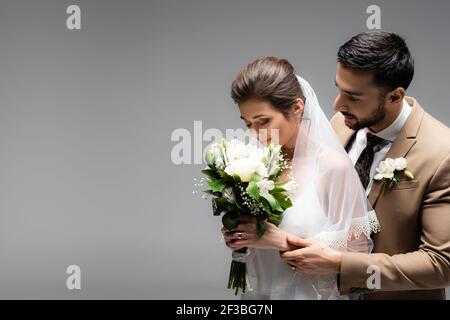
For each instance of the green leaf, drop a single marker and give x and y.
(279, 187)
(217, 185)
(256, 177)
(230, 220)
(272, 201)
(266, 206)
(253, 190)
(219, 205)
(276, 174)
(225, 176)
(237, 197)
(211, 173)
(383, 187)
(280, 184)
(261, 228)
(231, 207)
(216, 194)
(275, 218)
(288, 204)
(236, 178)
(283, 199)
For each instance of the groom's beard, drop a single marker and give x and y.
(377, 116)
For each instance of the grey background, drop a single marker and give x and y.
(86, 118)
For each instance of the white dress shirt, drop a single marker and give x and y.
(389, 134)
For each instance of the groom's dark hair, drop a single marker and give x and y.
(383, 53)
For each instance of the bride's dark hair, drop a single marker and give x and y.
(270, 79)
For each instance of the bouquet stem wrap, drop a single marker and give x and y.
(237, 279)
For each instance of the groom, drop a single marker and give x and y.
(375, 120)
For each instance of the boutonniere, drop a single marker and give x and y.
(390, 171)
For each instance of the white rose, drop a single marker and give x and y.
(265, 185)
(400, 164)
(244, 168)
(385, 169)
(261, 169)
(236, 149)
(390, 163)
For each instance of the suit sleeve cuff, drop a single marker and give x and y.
(353, 274)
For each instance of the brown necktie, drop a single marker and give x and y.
(365, 160)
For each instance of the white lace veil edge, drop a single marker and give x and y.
(320, 158)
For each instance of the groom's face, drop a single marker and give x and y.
(360, 101)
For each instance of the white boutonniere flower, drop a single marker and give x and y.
(390, 170)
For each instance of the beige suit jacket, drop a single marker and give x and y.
(412, 250)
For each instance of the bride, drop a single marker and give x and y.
(330, 208)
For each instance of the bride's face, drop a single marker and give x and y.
(260, 114)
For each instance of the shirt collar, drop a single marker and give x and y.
(391, 132)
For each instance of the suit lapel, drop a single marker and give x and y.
(401, 146)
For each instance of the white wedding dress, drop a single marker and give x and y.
(330, 207)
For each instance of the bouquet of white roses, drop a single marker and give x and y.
(242, 180)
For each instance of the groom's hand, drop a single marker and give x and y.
(311, 257)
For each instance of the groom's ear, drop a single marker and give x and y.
(397, 95)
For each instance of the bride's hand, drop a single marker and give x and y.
(245, 235)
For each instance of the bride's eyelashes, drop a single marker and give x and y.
(264, 122)
(261, 123)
